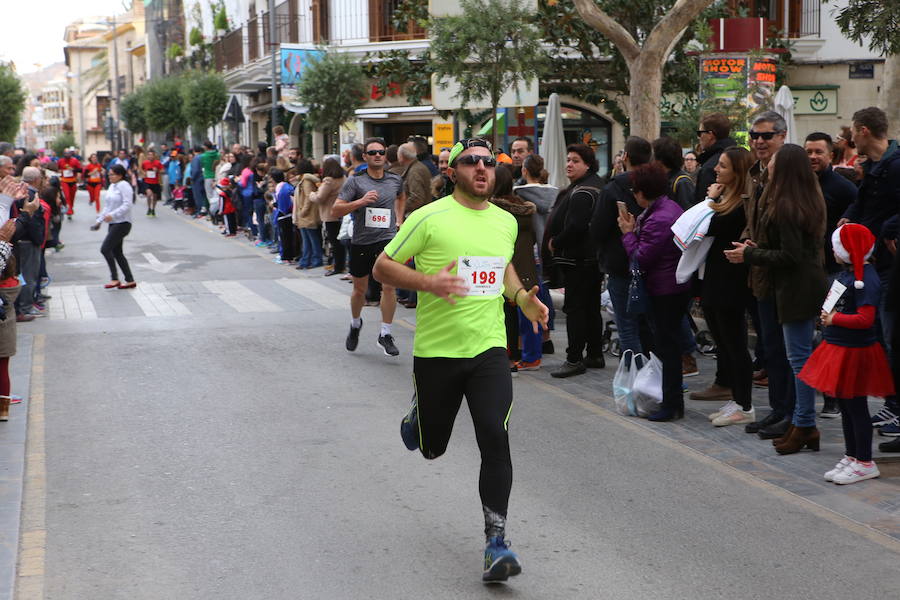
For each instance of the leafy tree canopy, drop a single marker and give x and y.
(204, 98)
(876, 22)
(12, 99)
(333, 87)
(131, 111)
(162, 106)
(66, 140)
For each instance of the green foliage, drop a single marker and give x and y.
(204, 97)
(131, 111)
(66, 140)
(220, 20)
(174, 51)
(493, 46)
(196, 36)
(162, 104)
(12, 99)
(333, 87)
(390, 68)
(872, 22)
(409, 11)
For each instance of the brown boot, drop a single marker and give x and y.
(783, 439)
(4, 408)
(801, 437)
(713, 392)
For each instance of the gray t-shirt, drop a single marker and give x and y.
(371, 224)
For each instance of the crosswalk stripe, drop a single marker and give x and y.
(240, 298)
(71, 302)
(156, 301)
(318, 293)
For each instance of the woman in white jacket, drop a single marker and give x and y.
(117, 212)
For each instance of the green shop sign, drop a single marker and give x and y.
(815, 101)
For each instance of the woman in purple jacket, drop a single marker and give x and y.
(649, 242)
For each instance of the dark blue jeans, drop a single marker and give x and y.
(259, 207)
(628, 327)
(312, 247)
(782, 391)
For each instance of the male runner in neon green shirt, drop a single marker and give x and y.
(462, 245)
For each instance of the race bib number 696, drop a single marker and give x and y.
(483, 274)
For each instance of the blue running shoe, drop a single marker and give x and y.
(409, 427)
(500, 563)
(892, 429)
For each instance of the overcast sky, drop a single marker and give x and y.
(31, 31)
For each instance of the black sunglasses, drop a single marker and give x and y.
(702, 131)
(766, 135)
(374, 152)
(474, 159)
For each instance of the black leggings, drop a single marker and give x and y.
(584, 321)
(440, 384)
(338, 251)
(734, 367)
(112, 250)
(857, 428)
(667, 312)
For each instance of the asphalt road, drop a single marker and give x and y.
(211, 438)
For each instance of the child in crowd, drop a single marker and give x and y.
(850, 364)
(178, 191)
(229, 212)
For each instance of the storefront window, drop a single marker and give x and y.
(581, 126)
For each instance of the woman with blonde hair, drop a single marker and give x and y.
(724, 292)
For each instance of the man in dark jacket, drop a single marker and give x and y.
(838, 191)
(608, 238)
(713, 133)
(681, 186)
(876, 207)
(574, 253)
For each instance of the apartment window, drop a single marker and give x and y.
(793, 18)
(103, 108)
(321, 32)
(380, 27)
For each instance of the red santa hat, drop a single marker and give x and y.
(854, 244)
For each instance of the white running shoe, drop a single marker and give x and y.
(838, 468)
(728, 407)
(737, 417)
(856, 471)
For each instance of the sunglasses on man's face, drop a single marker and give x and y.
(766, 135)
(374, 152)
(474, 159)
(702, 131)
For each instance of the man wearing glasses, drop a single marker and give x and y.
(767, 136)
(713, 137)
(463, 245)
(376, 200)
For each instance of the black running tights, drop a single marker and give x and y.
(112, 250)
(485, 381)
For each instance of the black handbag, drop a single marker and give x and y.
(638, 299)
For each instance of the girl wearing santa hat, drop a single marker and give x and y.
(850, 364)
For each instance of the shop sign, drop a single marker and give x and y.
(443, 135)
(815, 102)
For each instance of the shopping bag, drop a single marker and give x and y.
(647, 387)
(623, 382)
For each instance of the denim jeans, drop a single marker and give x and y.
(259, 207)
(30, 268)
(312, 247)
(798, 338)
(531, 341)
(782, 391)
(628, 327)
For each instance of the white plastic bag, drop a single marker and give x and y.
(647, 388)
(623, 382)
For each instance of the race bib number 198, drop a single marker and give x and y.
(482, 274)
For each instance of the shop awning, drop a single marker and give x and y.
(489, 126)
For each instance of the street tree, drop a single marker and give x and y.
(162, 110)
(645, 53)
(63, 141)
(493, 46)
(12, 99)
(332, 87)
(877, 24)
(131, 111)
(204, 97)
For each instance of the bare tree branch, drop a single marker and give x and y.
(659, 43)
(597, 18)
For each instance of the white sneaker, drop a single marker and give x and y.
(838, 468)
(736, 417)
(856, 471)
(726, 408)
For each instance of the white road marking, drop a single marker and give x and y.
(156, 301)
(157, 265)
(71, 302)
(240, 298)
(318, 293)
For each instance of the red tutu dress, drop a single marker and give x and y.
(850, 363)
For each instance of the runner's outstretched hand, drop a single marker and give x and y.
(445, 284)
(533, 309)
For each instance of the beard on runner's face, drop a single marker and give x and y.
(476, 182)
